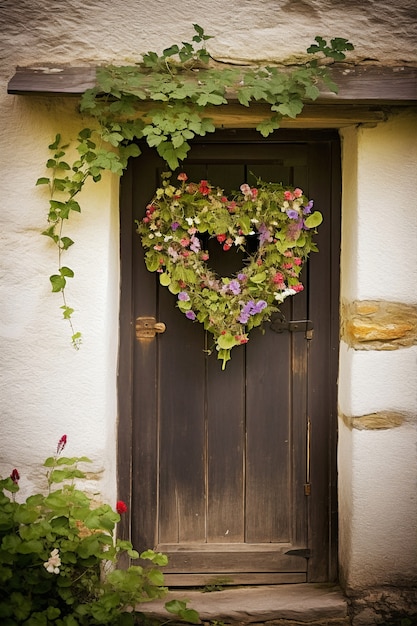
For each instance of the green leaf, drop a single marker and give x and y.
(58, 282)
(66, 271)
(66, 242)
(43, 181)
(156, 577)
(169, 52)
(174, 606)
(226, 341)
(190, 615)
(313, 220)
(164, 279)
(156, 557)
(258, 278)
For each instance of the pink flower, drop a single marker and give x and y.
(278, 278)
(245, 189)
(297, 192)
(121, 507)
(288, 195)
(182, 176)
(15, 476)
(297, 260)
(61, 444)
(204, 256)
(254, 193)
(298, 287)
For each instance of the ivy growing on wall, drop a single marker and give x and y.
(164, 100)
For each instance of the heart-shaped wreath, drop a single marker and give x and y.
(172, 232)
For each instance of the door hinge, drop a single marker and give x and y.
(279, 324)
(307, 484)
(303, 552)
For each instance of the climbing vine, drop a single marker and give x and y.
(164, 100)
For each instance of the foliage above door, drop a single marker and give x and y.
(164, 100)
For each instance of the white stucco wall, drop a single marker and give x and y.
(48, 389)
(378, 469)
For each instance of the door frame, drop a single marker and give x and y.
(322, 565)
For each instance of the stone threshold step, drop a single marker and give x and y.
(301, 603)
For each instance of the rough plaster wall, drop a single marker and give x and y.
(120, 30)
(47, 388)
(377, 469)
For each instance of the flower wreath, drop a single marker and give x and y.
(228, 308)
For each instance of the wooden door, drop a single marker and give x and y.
(222, 462)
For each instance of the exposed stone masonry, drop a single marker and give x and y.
(378, 325)
(376, 421)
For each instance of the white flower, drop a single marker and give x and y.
(239, 241)
(53, 564)
(189, 221)
(281, 295)
(167, 238)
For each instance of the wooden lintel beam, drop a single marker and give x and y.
(367, 84)
(313, 116)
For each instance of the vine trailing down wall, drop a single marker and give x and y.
(163, 100)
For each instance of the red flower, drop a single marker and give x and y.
(121, 507)
(15, 476)
(61, 444)
(226, 247)
(203, 188)
(221, 238)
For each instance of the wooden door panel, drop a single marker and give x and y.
(219, 458)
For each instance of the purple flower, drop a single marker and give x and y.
(190, 315)
(259, 306)
(175, 225)
(251, 308)
(264, 234)
(195, 244)
(292, 214)
(233, 287)
(243, 317)
(183, 295)
(242, 277)
(308, 207)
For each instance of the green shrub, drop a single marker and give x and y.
(58, 556)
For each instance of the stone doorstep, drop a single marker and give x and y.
(302, 603)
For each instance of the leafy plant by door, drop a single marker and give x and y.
(165, 100)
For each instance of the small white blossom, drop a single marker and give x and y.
(239, 241)
(280, 296)
(189, 221)
(53, 564)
